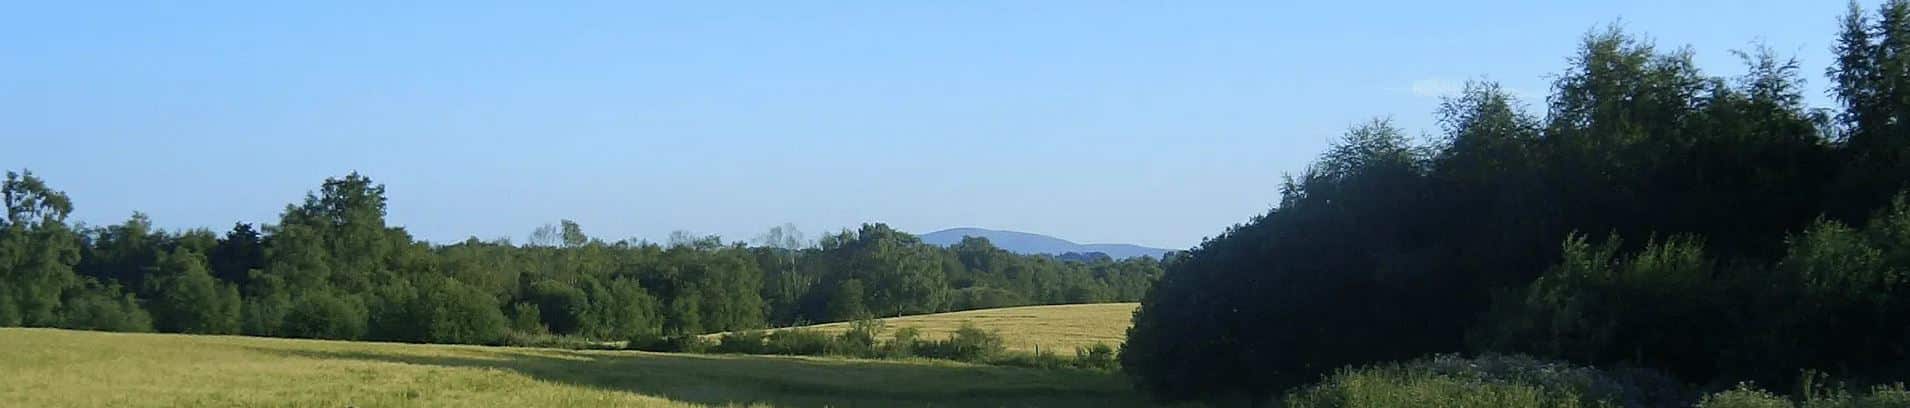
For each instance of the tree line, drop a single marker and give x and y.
(333, 268)
(1646, 215)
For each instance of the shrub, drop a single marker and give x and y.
(903, 343)
(525, 319)
(1511, 381)
(188, 299)
(969, 343)
(1878, 397)
(1096, 357)
(453, 312)
(983, 297)
(325, 316)
(742, 342)
(799, 341)
(265, 315)
(1039, 359)
(103, 307)
(860, 340)
(562, 306)
(674, 344)
(547, 340)
(1744, 396)
(1659, 307)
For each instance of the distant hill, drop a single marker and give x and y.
(1027, 243)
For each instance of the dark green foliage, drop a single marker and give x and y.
(1747, 396)
(322, 315)
(563, 306)
(1096, 357)
(525, 318)
(969, 343)
(331, 268)
(1492, 380)
(37, 251)
(1754, 244)
(265, 315)
(545, 340)
(985, 298)
(1597, 307)
(1046, 359)
(622, 310)
(902, 343)
(187, 299)
(103, 307)
(800, 341)
(861, 339)
(441, 310)
(1670, 307)
(237, 254)
(742, 342)
(675, 344)
(846, 303)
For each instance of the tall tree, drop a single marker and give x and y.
(187, 299)
(37, 251)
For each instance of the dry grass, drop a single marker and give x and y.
(1060, 328)
(58, 368)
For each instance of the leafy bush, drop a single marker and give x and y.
(800, 341)
(1492, 380)
(325, 316)
(742, 342)
(902, 344)
(1039, 359)
(1096, 357)
(103, 307)
(969, 343)
(452, 312)
(558, 341)
(983, 297)
(562, 306)
(526, 318)
(1744, 396)
(1660, 307)
(860, 340)
(187, 299)
(674, 344)
(1882, 396)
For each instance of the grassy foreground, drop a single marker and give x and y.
(60, 368)
(1052, 327)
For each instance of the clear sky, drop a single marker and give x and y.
(1155, 123)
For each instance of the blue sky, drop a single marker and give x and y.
(1155, 123)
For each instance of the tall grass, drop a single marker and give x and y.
(1746, 396)
(1487, 381)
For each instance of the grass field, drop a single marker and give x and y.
(59, 368)
(1054, 327)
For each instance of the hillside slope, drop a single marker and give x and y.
(60, 368)
(1060, 328)
(1030, 243)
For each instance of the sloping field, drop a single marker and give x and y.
(1053, 327)
(60, 368)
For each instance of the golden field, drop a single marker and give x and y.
(1060, 328)
(61, 368)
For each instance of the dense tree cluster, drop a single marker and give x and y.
(333, 268)
(1759, 237)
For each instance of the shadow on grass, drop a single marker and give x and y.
(782, 381)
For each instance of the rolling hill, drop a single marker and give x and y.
(1030, 243)
(1059, 328)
